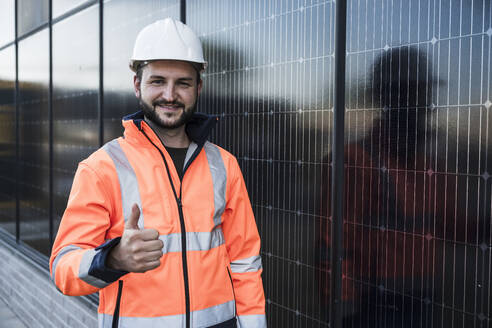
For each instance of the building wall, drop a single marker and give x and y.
(418, 153)
(28, 291)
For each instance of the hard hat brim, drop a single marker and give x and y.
(134, 64)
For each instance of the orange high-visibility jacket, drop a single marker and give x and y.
(210, 272)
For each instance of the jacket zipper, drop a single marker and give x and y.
(184, 259)
(233, 292)
(116, 314)
(183, 233)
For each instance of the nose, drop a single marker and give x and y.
(169, 92)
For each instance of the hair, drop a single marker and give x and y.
(197, 66)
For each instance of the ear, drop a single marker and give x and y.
(199, 87)
(136, 86)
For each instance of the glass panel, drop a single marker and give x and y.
(75, 99)
(417, 235)
(7, 139)
(31, 14)
(124, 19)
(270, 63)
(62, 6)
(34, 140)
(7, 21)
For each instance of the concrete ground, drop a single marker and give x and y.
(7, 318)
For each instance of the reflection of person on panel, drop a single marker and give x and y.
(386, 216)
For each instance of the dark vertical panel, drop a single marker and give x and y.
(337, 182)
(31, 14)
(7, 139)
(123, 19)
(270, 79)
(75, 99)
(33, 160)
(7, 21)
(417, 215)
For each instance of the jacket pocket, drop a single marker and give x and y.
(116, 314)
(232, 287)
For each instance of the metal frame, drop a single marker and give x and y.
(182, 11)
(50, 118)
(101, 72)
(30, 32)
(17, 207)
(337, 187)
(7, 45)
(75, 10)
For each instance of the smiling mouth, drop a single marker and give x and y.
(168, 108)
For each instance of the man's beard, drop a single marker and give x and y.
(151, 113)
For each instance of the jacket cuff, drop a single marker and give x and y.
(98, 266)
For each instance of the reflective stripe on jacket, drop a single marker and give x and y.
(222, 275)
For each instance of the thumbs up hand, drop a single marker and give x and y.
(138, 250)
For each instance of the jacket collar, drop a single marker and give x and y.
(198, 128)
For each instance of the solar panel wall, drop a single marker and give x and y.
(417, 196)
(33, 164)
(75, 100)
(270, 82)
(417, 218)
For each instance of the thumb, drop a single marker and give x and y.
(132, 222)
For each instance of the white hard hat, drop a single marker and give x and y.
(167, 39)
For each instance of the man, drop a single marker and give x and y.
(161, 211)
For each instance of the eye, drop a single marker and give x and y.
(184, 84)
(156, 82)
